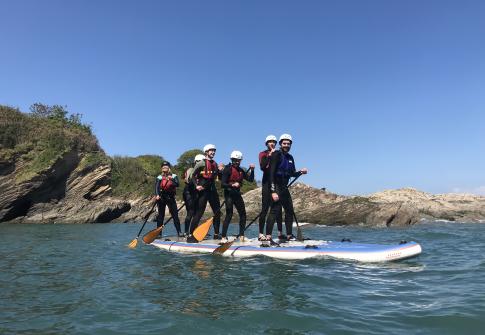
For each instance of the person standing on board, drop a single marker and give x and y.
(204, 176)
(282, 168)
(189, 194)
(231, 181)
(264, 160)
(165, 188)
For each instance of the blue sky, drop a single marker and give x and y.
(377, 94)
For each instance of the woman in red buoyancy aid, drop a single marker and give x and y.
(232, 180)
(165, 188)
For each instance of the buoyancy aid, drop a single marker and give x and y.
(236, 175)
(166, 184)
(286, 168)
(210, 171)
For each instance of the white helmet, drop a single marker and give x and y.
(285, 137)
(208, 147)
(270, 138)
(198, 158)
(236, 155)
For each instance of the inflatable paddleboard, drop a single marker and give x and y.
(298, 250)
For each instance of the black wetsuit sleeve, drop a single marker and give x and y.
(219, 172)
(249, 175)
(273, 166)
(175, 180)
(263, 161)
(226, 174)
(157, 187)
(294, 173)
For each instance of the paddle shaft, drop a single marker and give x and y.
(299, 235)
(146, 220)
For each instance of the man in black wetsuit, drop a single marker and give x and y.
(189, 194)
(204, 177)
(165, 188)
(264, 161)
(232, 180)
(282, 168)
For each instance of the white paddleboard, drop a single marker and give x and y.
(298, 250)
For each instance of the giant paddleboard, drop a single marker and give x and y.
(299, 250)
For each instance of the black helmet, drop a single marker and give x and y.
(165, 163)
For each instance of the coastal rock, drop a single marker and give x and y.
(322, 207)
(65, 192)
(451, 207)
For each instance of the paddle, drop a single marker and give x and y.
(132, 244)
(201, 231)
(299, 234)
(224, 246)
(153, 234)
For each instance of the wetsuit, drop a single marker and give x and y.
(264, 164)
(165, 188)
(205, 174)
(230, 175)
(282, 168)
(190, 198)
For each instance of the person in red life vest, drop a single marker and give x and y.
(232, 180)
(282, 168)
(189, 194)
(204, 176)
(264, 161)
(165, 187)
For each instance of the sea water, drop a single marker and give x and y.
(82, 279)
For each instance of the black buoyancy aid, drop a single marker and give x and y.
(167, 185)
(236, 175)
(210, 170)
(286, 168)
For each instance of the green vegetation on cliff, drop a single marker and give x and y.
(38, 139)
(35, 141)
(134, 176)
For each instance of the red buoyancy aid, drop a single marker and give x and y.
(167, 185)
(210, 170)
(236, 175)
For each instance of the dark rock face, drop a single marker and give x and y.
(62, 193)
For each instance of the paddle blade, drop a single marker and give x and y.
(299, 234)
(132, 244)
(201, 231)
(222, 248)
(152, 235)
